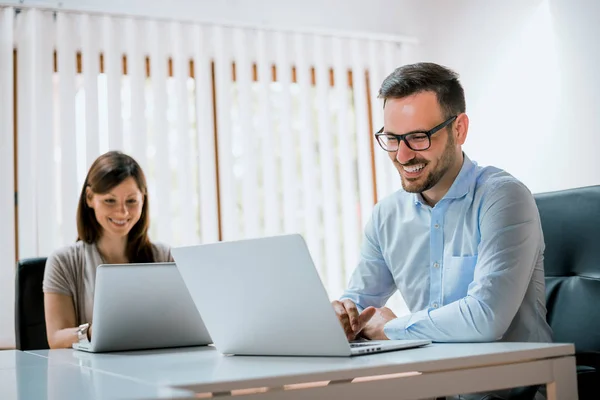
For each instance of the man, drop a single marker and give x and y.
(463, 244)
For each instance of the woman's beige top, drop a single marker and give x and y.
(71, 271)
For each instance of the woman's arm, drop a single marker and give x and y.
(61, 327)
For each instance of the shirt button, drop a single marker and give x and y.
(435, 305)
(437, 226)
(436, 265)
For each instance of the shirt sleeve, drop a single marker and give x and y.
(58, 277)
(162, 253)
(371, 283)
(511, 241)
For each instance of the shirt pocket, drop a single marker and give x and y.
(458, 274)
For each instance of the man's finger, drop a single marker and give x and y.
(338, 307)
(365, 316)
(343, 317)
(352, 313)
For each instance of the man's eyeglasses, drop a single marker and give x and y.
(417, 141)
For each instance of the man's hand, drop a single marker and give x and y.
(374, 328)
(351, 321)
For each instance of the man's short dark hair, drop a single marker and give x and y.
(426, 77)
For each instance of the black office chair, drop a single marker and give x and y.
(571, 226)
(30, 323)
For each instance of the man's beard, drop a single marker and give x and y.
(444, 164)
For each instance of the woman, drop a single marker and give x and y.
(112, 227)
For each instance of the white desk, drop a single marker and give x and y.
(28, 377)
(435, 370)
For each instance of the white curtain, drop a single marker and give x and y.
(293, 152)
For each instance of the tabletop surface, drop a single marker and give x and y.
(205, 369)
(25, 376)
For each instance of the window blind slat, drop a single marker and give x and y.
(113, 69)
(207, 175)
(363, 134)
(346, 160)
(28, 88)
(272, 206)
(7, 199)
(375, 79)
(186, 199)
(309, 168)
(136, 72)
(160, 161)
(91, 69)
(229, 198)
(246, 135)
(390, 57)
(49, 231)
(333, 246)
(288, 148)
(67, 134)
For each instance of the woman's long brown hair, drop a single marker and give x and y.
(108, 171)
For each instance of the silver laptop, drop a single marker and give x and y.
(143, 306)
(264, 297)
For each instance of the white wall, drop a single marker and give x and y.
(529, 71)
(578, 29)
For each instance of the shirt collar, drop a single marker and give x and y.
(461, 185)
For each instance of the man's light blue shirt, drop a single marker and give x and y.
(471, 268)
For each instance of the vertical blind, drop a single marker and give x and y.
(241, 132)
(7, 170)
